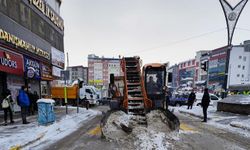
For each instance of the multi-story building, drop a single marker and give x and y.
(217, 69)
(201, 73)
(31, 35)
(78, 72)
(239, 67)
(100, 69)
(187, 70)
(174, 72)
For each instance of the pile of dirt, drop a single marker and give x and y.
(154, 135)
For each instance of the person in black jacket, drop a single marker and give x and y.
(191, 99)
(9, 100)
(205, 103)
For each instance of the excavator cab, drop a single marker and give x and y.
(155, 83)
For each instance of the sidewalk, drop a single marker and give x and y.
(233, 122)
(18, 135)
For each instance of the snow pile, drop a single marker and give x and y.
(155, 135)
(112, 129)
(197, 111)
(244, 124)
(33, 135)
(149, 139)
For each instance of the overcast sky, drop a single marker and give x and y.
(156, 30)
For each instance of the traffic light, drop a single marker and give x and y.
(204, 66)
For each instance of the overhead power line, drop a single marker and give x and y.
(180, 41)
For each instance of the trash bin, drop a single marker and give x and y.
(46, 113)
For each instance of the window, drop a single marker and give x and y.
(3, 6)
(243, 67)
(25, 18)
(244, 58)
(239, 66)
(238, 75)
(240, 57)
(242, 75)
(13, 9)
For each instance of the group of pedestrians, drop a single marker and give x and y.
(26, 100)
(204, 102)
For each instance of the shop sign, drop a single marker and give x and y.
(57, 57)
(56, 71)
(11, 63)
(23, 44)
(46, 72)
(48, 12)
(32, 68)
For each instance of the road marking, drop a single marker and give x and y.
(186, 127)
(95, 131)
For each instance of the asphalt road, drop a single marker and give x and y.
(87, 137)
(195, 135)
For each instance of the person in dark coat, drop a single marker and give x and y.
(35, 98)
(205, 103)
(24, 103)
(9, 100)
(191, 99)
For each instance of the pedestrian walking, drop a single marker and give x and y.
(24, 103)
(7, 106)
(205, 103)
(191, 99)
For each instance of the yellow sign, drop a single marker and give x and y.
(22, 44)
(48, 12)
(95, 81)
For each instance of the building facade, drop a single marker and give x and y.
(187, 73)
(239, 67)
(100, 68)
(29, 31)
(216, 69)
(78, 72)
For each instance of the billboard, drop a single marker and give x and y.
(57, 58)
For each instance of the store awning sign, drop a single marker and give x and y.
(11, 63)
(32, 68)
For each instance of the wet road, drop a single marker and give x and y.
(195, 135)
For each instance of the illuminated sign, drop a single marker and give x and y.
(48, 12)
(22, 44)
(32, 68)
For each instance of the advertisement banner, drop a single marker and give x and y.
(11, 63)
(57, 57)
(46, 72)
(56, 71)
(32, 68)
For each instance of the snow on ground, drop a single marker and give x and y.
(156, 135)
(34, 135)
(232, 122)
(245, 124)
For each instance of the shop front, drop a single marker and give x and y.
(32, 74)
(11, 73)
(46, 74)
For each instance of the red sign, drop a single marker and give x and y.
(11, 63)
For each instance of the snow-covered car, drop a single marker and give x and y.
(213, 99)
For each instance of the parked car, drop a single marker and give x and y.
(178, 100)
(213, 99)
(104, 101)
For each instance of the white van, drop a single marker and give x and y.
(213, 99)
